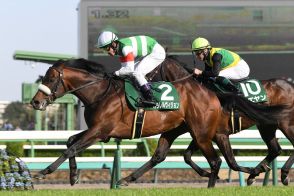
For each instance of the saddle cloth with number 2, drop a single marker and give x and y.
(165, 94)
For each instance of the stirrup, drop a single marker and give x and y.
(146, 103)
(237, 92)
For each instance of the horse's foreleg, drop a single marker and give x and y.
(163, 146)
(73, 177)
(274, 150)
(213, 159)
(224, 145)
(188, 159)
(81, 144)
(73, 171)
(51, 168)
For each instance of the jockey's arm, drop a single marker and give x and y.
(127, 65)
(216, 67)
(124, 70)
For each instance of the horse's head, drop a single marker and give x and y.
(66, 77)
(52, 87)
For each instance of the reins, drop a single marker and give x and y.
(116, 86)
(80, 87)
(160, 70)
(181, 79)
(103, 94)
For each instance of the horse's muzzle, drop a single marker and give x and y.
(39, 105)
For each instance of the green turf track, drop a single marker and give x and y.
(226, 191)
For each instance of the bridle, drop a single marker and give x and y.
(52, 94)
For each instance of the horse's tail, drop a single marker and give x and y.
(255, 111)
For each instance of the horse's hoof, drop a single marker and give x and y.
(39, 176)
(122, 182)
(285, 180)
(74, 180)
(250, 181)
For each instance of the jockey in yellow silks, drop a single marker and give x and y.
(220, 63)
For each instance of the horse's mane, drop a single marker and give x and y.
(89, 66)
(180, 63)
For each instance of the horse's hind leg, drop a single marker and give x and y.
(286, 168)
(289, 133)
(188, 159)
(224, 145)
(274, 149)
(163, 146)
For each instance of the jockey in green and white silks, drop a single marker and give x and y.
(219, 63)
(139, 55)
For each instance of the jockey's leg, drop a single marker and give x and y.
(239, 71)
(148, 95)
(146, 65)
(227, 84)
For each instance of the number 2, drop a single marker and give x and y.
(164, 96)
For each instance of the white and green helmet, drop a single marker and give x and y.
(105, 38)
(200, 43)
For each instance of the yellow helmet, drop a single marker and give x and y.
(200, 43)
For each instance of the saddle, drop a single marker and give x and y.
(165, 94)
(251, 89)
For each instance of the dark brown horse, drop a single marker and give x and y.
(107, 114)
(280, 92)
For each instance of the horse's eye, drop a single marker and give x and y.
(51, 80)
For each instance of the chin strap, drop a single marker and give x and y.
(206, 54)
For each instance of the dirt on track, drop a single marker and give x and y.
(100, 179)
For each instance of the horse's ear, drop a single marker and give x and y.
(40, 78)
(60, 62)
(166, 51)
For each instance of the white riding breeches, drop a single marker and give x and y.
(146, 64)
(239, 71)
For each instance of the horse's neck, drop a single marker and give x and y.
(89, 91)
(173, 72)
(99, 92)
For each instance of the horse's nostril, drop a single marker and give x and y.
(35, 102)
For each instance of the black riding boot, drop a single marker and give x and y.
(148, 95)
(228, 85)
